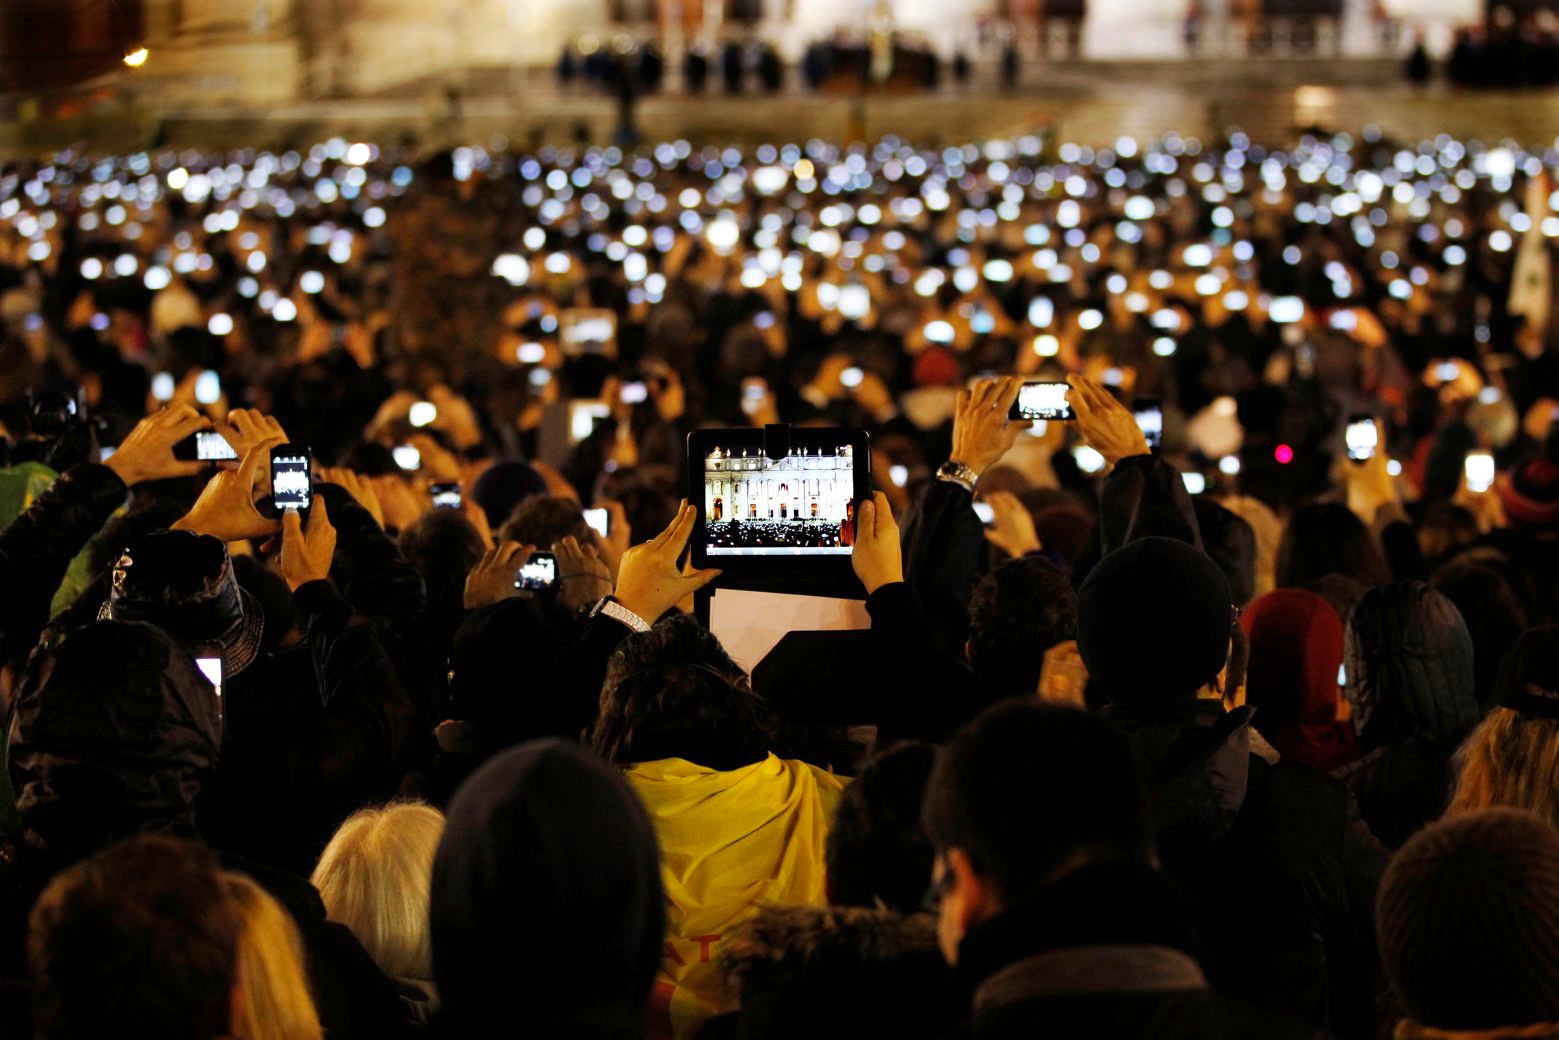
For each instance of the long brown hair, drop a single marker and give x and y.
(1509, 759)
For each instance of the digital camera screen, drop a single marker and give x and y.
(539, 572)
(211, 446)
(599, 521)
(290, 487)
(1043, 401)
(801, 505)
(445, 496)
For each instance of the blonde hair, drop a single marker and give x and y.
(374, 877)
(1509, 759)
(272, 1000)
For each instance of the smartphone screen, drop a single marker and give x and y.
(1042, 401)
(211, 446)
(1361, 438)
(208, 387)
(1286, 310)
(539, 572)
(600, 521)
(986, 514)
(1195, 483)
(1447, 372)
(1150, 420)
(851, 378)
(163, 387)
(636, 392)
(423, 413)
(407, 458)
(1344, 321)
(763, 319)
(754, 390)
(899, 475)
(1479, 469)
(292, 485)
(445, 496)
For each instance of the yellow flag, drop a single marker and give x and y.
(730, 842)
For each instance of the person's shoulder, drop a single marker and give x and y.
(1297, 799)
(1175, 1015)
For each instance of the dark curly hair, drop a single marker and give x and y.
(876, 849)
(1017, 612)
(673, 692)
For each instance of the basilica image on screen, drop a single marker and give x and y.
(803, 504)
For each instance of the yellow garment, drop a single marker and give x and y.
(730, 843)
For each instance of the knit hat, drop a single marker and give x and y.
(1529, 675)
(1531, 495)
(1296, 646)
(1153, 621)
(504, 485)
(1468, 921)
(935, 366)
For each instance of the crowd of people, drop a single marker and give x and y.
(1235, 736)
(1509, 49)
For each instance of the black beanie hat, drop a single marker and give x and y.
(1153, 621)
(1468, 921)
(1529, 675)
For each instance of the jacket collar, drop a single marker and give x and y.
(1123, 968)
(1112, 906)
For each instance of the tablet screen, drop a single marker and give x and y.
(801, 505)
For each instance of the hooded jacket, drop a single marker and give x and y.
(1296, 649)
(1412, 686)
(546, 905)
(1280, 871)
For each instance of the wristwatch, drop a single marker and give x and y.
(617, 612)
(958, 473)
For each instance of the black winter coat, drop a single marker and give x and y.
(1281, 871)
(1107, 952)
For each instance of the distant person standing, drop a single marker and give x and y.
(731, 66)
(1010, 65)
(695, 70)
(771, 73)
(1419, 67)
(961, 68)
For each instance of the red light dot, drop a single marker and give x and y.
(1284, 454)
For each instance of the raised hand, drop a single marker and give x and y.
(877, 556)
(306, 553)
(583, 577)
(147, 453)
(981, 432)
(1106, 424)
(649, 583)
(492, 579)
(1013, 531)
(225, 509)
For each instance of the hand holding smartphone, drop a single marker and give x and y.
(445, 496)
(204, 446)
(1362, 438)
(1478, 471)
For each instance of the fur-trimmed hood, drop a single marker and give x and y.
(838, 973)
(826, 938)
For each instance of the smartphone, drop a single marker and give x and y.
(1195, 483)
(585, 331)
(204, 446)
(1112, 377)
(986, 514)
(408, 458)
(636, 392)
(1149, 413)
(540, 572)
(1042, 401)
(899, 475)
(211, 668)
(292, 479)
(851, 378)
(1447, 372)
(754, 390)
(600, 521)
(583, 416)
(1286, 310)
(1344, 321)
(106, 452)
(763, 319)
(1479, 470)
(208, 387)
(163, 387)
(445, 496)
(423, 413)
(1342, 674)
(1361, 438)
